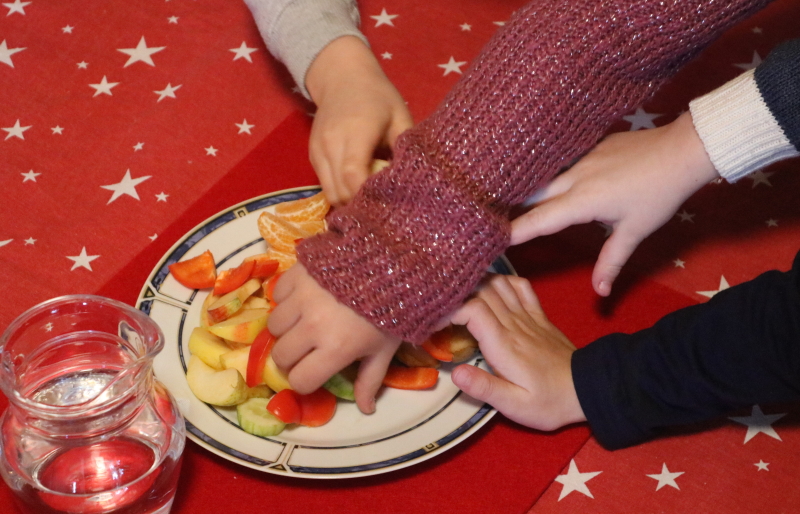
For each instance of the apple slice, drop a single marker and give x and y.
(462, 343)
(236, 359)
(207, 346)
(222, 388)
(275, 378)
(256, 302)
(231, 303)
(243, 327)
(205, 320)
(415, 356)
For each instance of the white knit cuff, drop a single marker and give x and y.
(739, 132)
(296, 31)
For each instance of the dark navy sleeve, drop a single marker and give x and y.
(740, 348)
(778, 81)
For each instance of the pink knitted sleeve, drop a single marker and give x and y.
(418, 237)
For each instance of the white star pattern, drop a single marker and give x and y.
(67, 29)
(141, 53)
(244, 127)
(104, 87)
(6, 53)
(684, 215)
(83, 65)
(679, 263)
(31, 175)
(16, 6)
(772, 222)
(762, 466)
(386, 56)
(162, 197)
(48, 327)
(641, 119)
(138, 146)
(452, 66)
(761, 177)
(499, 23)
(127, 186)
(465, 27)
(574, 480)
(167, 92)
(30, 241)
(666, 477)
(16, 130)
(384, 18)
(759, 423)
(173, 20)
(57, 130)
(243, 52)
(757, 30)
(211, 151)
(153, 237)
(82, 260)
(750, 65)
(3, 243)
(723, 285)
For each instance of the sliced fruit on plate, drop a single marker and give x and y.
(274, 377)
(311, 410)
(242, 327)
(415, 356)
(195, 273)
(314, 207)
(257, 358)
(231, 303)
(279, 233)
(236, 359)
(207, 346)
(230, 279)
(254, 418)
(285, 259)
(221, 388)
(400, 377)
(264, 266)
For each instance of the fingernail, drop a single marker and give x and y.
(604, 288)
(371, 406)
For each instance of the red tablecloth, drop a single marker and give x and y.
(125, 124)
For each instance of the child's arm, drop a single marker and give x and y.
(636, 181)
(358, 108)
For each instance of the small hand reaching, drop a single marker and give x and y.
(318, 336)
(531, 358)
(632, 181)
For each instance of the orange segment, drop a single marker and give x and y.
(279, 233)
(305, 209)
(313, 227)
(285, 260)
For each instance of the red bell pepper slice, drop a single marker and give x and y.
(269, 287)
(195, 273)
(230, 279)
(259, 351)
(438, 346)
(263, 266)
(285, 406)
(400, 377)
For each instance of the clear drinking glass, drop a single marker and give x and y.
(88, 429)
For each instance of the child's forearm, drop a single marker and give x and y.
(418, 237)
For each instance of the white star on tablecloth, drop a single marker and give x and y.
(679, 263)
(16, 6)
(684, 215)
(465, 27)
(48, 327)
(641, 119)
(67, 29)
(211, 151)
(141, 53)
(138, 146)
(244, 127)
(153, 237)
(499, 23)
(30, 241)
(758, 423)
(57, 130)
(761, 465)
(723, 285)
(761, 177)
(666, 477)
(126, 186)
(772, 222)
(31, 175)
(83, 65)
(6, 53)
(243, 52)
(386, 56)
(82, 260)
(384, 18)
(574, 480)
(750, 65)
(452, 66)
(16, 130)
(756, 30)
(162, 197)
(173, 19)
(104, 87)
(3, 243)
(168, 91)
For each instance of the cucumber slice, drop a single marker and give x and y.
(254, 418)
(340, 387)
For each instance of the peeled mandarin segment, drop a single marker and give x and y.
(285, 260)
(279, 233)
(313, 227)
(306, 209)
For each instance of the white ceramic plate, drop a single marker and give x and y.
(408, 427)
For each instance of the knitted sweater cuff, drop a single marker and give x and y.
(739, 132)
(405, 254)
(295, 32)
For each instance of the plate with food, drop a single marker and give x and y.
(211, 296)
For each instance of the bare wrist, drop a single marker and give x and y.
(343, 58)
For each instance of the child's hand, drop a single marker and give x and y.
(318, 336)
(358, 110)
(531, 358)
(632, 181)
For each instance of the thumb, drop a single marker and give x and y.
(615, 253)
(485, 387)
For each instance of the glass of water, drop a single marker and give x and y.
(88, 429)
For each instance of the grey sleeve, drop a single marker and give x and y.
(295, 31)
